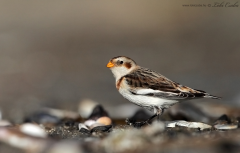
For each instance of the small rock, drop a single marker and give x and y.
(33, 130)
(42, 118)
(197, 125)
(140, 115)
(225, 126)
(89, 123)
(223, 119)
(96, 125)
(98, 112)
(225, 123)
(86, 107)
(104, 120)
(85, 131)
(101, 128)
(5, 123)
(82, 126)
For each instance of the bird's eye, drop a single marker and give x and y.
(121, 62)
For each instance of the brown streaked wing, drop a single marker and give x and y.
(151, 80)
(147, 79)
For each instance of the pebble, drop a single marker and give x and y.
(104, 120)
(225, 126)
(89, 123)
(225, 123)
(82, 126)
(5, 123)
(98, 112)
(16, 138)
(86, 107)
(42, 118)
(33, 130)
(98, 121)
(105, 128)
(198, 125)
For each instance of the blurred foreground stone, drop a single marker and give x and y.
(180, 130)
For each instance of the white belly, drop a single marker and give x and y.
(147, 101)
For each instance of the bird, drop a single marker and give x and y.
(149, 89)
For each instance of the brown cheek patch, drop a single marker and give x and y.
(119, 83)
(128, 65)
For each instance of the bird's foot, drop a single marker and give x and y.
(136, 124)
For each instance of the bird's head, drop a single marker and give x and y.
(121, 66)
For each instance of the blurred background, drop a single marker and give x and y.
(54, 53)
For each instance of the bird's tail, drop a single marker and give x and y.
(207, 95)
(211, 96)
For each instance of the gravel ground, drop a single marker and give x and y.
(57, 131)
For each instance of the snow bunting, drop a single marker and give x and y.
(149, 89)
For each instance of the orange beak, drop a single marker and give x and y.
(110, 64)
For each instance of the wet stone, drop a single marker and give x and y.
(225, 123)
(223, 119)
(42, 118)
(101, 128)
(135, 124)
(140, 115)
(98, 112)
(85, 131)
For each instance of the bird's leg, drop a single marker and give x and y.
(152, 117)
(158, 112)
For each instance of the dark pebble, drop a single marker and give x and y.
(224, 118)
(42, 118)
(140, 115)
(101, 128)
(98, 112)
(85, 131)
(135, 124)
